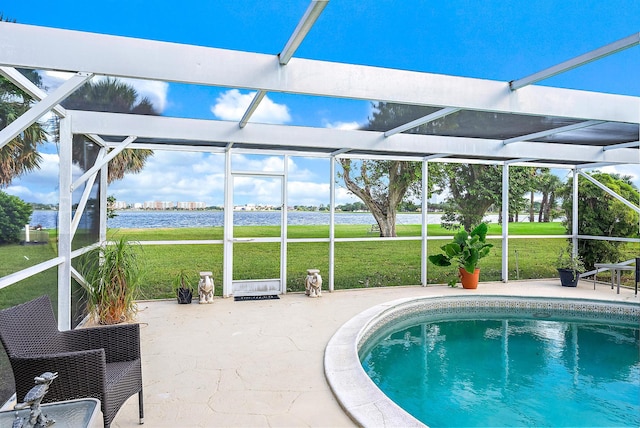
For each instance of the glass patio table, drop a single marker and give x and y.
(81, 413)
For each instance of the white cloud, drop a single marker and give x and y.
(632, 171)
(343, 125)
(232, 104)
(343, 196)
(52, 79)
(308, 193)
(154, 90)
(40, 185)
(175, 176)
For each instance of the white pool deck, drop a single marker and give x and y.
(260, 363)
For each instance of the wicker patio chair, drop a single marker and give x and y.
(637, 273)
(101, 362)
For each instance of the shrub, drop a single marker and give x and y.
(14, 214)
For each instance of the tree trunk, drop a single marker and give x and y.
(547, 209)
(543, 204)
(384, 209)
(531, 213)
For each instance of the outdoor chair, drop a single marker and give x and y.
(101, 362)
(637, 273)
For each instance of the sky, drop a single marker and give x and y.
(497, 40)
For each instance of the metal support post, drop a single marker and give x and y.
(227, 271)
(332, 220)
(425, 221)
(574, 214)
(505, 223)
(283, 231)
(64, 224)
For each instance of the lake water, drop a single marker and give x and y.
(173, 219)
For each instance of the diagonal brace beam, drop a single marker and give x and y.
(304, 26)
(609, 49)
(255, 102)
(85, 196)
(611, 192)
(29, 87)
(421, 121)
(42, 107)
(559, 130)
(101, 162)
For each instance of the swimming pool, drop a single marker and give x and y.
(572, 351)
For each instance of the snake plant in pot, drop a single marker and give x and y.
(465, 250)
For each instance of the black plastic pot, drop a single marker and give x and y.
(568, 277)
(184, 295)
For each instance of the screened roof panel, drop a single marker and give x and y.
(501, 126)
(604, 134)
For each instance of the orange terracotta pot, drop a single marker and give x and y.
(469, 280)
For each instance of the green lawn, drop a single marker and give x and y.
(357, 264)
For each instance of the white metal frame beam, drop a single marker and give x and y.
(255, 102)
(100, 162)
(85, 196)
(29, 87)
(627, 42)
(42, 107)
(304, 26)
(309, 18)
(110, 55)
(327, 140)
(424, 246)
(65, 208)
(505, 223)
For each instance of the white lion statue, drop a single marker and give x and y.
(313, 283)
(206, 287)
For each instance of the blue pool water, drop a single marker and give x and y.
(509, 372)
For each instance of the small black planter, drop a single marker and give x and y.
(568, 277)
(184, 295)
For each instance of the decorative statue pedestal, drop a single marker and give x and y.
(206, 287)
(32, 401)
(313, 283)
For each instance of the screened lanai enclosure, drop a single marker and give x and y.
(452, 119)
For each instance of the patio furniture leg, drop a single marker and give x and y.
(141, 407)
(637, 273)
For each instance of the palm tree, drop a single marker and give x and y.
(20, 155)
(548, 185)
(110, 95)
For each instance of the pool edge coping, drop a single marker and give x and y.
(356, 393)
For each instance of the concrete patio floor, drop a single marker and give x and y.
(260, 363)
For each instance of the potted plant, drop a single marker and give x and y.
(184, 292)
(465, 250)
(569, 267)
(113, 274)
